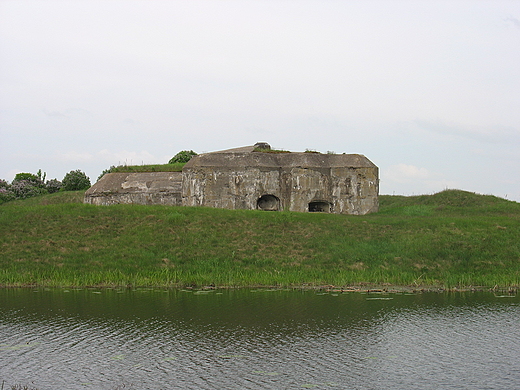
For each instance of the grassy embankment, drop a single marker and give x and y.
(450, 239)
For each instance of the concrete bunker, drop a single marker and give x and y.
(268, 202)
(320, 206)
(253, 178)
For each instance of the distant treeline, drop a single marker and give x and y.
(26, 185)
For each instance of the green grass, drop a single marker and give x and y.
(450, 239)
(262, 150)
(176, 167)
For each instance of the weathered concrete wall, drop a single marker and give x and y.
(228, 188)
(162, 188)
(348, 184)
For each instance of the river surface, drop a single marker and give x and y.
(257, 339)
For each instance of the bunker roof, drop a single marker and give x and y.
(247, 156)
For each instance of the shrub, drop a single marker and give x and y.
(6, 194)
(35, 180)
(182, 157)
(4, 184)
(25, 185)
(23, 189)
(53, 185)
(75, 181)
(26, 176)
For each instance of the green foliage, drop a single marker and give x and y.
(182, 157)
(53, 185)
(37, 180)
(6, 194)
(26, 185)
(75, 181)
(23, 189)
(27, 177)
(41, 176)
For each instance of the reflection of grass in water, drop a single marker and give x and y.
(118, 357)
(7, 347)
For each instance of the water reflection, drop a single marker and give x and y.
(248, 339)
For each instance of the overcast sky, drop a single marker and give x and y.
(427, 90)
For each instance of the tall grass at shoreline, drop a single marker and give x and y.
(450, 239)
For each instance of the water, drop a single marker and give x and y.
(257, 339)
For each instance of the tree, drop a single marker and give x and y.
(26, 185)
(53, 185)
(5, 192)
(23, 189)
(35, 180)
(182, 157)
(75, 181)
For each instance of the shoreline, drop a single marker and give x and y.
(365, 288)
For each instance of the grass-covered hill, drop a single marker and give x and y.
(449, 239)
